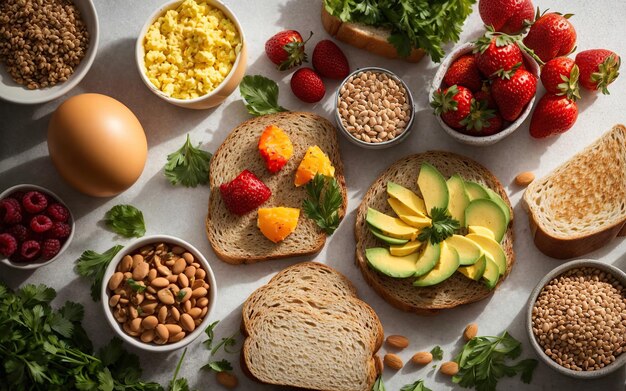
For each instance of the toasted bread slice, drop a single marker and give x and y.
(581, 206)
(457, 289)
(236, 239)
(372, 39)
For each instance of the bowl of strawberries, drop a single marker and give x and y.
(484, 90)
(35, 226)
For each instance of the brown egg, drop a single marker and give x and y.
(97, 144)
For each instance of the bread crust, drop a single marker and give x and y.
(226, 157)
(399, 292)
(354, 34)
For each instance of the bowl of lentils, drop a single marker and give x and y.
(576, 319)
(374, 108)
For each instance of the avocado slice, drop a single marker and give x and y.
(390, 226)
(433, 187)
(475, 191)
(468, 250)
(475, 271)
(490, 276)
(477, 229)
(491, 248)
(458, 198)
(387, 239)
(407, 197)
(380, 259)
(445, 267)
(488, 214)
(417, 222)
(407, 215)
(402, 209)
(428, 259)
(495, 197)
(405, 249)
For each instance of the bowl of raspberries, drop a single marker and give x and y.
(35, 226)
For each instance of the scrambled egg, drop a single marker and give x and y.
(189, 51)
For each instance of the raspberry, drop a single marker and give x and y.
(34, 202)
(8, 244)
(30, 250)
(40, 223)
(51, 248)
(19, 232)
(58, 212)
(10, 211)
(59, 231)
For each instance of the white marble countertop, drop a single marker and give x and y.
(181, 211)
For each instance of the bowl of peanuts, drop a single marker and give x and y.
(158, 293)
(47, 48)
(576, 319)
(374, 108)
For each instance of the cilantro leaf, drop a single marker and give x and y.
(219, 366)
(260, 94)
(134, 285)
(125, 220)
(73, 312)
(209, 333)
(416, 386)
(179, 384)
(379, 385)
(31, 295)
(323, 202)
(437, 353)
(188, 166)
(226, 343)
(93, 265)
(442, 226)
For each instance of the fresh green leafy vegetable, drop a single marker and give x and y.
(135, 286)
(93, 265)
(219, 366)
(323, 202)
(379, 385)
(416, 386)
(210, 334)
(482, 361)
(426, 24)
(437, 353)
(442, 226)
(226, 343)
(260, 94)
(125, 220)
(188, 166)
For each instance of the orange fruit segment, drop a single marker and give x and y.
(315, 161)
(275, 148)
(277, 223)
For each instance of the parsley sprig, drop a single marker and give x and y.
(93, 265)
(188, 166)
(437, 353)
(323, 202)
(416, 386)
(125, 220)
(442, 226)
(134, 285)
(260, 95)
(227, 342)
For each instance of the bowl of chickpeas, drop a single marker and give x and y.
(158, 292)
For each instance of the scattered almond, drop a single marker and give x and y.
(449, 368)
(422, 358)
(393, 361)
(397, 341)
(524, 178)
(227, 379)
(470, 331)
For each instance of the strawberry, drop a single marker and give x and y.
(554, 114)
(560, 77)
(463, 72)
(484, 95)
(598, 69)
(453, 104)
(329, 61)
(307, 85)
(481, 121)
(286, 49)
(245, 193)
(551, 35)
(497, 52)
(508, 16)
(513, 92)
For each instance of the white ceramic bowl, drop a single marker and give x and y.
(17, 93)
(615, 365)
(385, 144)
(532, 67)
(117, 327)
(219, 94)
(34, 265)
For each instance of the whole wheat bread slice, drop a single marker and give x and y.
(236, 239)
(581, 205)
(372, 39)
(452, 292)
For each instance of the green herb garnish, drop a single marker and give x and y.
(210, 334)
(379, 385)
(219, 366)
(188, 166)
(179, 384)
(125, 220)
(226, 343)
(323, 202)
(93, 265)
(437, 353)
(443, 226)
(134, 285)
(181, 295)
(482, 362)
(260, 94)
(416, 386)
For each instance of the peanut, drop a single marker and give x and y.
(393, 361)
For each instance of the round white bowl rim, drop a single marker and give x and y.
(30, 266)
(111, 269)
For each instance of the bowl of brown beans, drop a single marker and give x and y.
(46, 47)
(374, 108)
(158, 292)
(576, 319)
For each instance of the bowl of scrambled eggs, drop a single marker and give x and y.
(192, 53)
